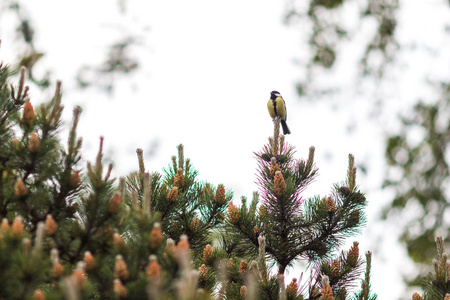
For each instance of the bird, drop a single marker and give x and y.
(277, 108)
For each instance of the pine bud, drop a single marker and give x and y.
(243, 267)
(335, 268)
(170, 249)
(38, 295)
(20, 189)
(119, 289)
(114, 204)
(416, 296)
(233, 213)
(28, 115)
(17, 228)
(353, 255)
(54, 255)
(280, 184)
(183, 244)
(170, 243)
(120, 268)
(203, 273)
(153, 271)
(79, 276)
(273, 161)
(207, 254)
(194, 225)
(219, 197)
(50, 225)
(179, 179)
(230, 263)
(273, 169)
(34, 144)
(327, 293)
(89, 261)
(57, 269)
(292, 289)
(331, 206)
(5, 225)
(243, 291)
(156, 236)
(173, 194)
(447, 297)
(244, 203)
(435, 266)
(256, 230)
(118, 241)
(74, 180)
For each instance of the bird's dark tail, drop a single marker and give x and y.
(285, 127)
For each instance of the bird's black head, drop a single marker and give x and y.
(274, 94)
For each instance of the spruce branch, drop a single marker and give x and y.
(20, 97)
(117, 240)
(72, 147)
(174, 162)
(282, 287)
(147, 194)
(275, 142)
(365, 292)
(351, 173)
(140, 155)
(436, 283)
(39, 239)
(180, 156)
(251, 285)
(262, 266)
(71, 292)
(222, 278)
(55, 114)
(253, 205)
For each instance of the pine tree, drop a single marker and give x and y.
(287, 228)
(437, 283)
(73, 232)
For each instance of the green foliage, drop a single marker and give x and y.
(74, 232)
(328, 34)
(436, 284)
(417, 155)
(287, 228)
(28, 55)
(118, 61)
(75, 215)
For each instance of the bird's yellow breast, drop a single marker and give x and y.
(276, 108)
(271, 108)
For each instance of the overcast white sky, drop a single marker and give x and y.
(206, 70)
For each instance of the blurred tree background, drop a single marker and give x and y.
(380, 44)
(117, 60)
(416, 148)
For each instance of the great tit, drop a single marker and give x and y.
(277, 108)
